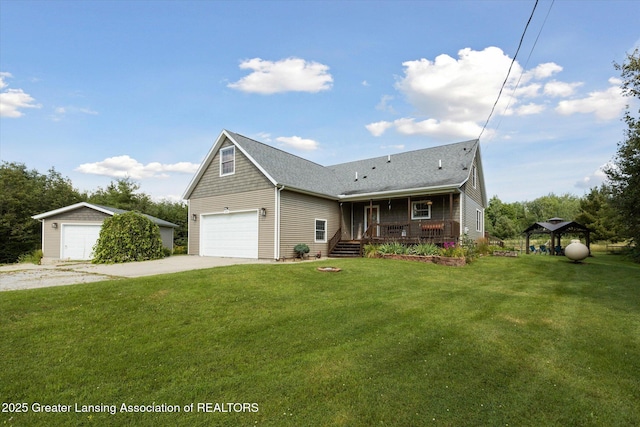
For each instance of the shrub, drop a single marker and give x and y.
(301, 249)
(370, 251)
(128, 237)
(483, 247)
(179, 250)
(424, 249)
(394, 248)
(34, 257)
(452, 250)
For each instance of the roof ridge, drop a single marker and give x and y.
(275, 148)
(475, 141)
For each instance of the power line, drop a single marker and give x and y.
(509, 71)
(527, 61)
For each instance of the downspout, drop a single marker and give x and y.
(277, 224)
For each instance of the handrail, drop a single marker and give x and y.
(334, 240)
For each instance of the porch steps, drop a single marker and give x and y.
(346, 249)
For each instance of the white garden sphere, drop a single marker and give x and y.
(576, 251)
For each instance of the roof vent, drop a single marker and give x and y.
(388, 158)
(356, 176)
(439, 164)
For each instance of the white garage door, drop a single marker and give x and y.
(232, 235)
(78, 240)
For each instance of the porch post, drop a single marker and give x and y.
(409, 210)
(527, 250)
(370, 217)
(451, 215)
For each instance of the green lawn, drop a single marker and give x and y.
(535, 340)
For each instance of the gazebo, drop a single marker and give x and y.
(556, 227)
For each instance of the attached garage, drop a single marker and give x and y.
(77, 240)
(233, 234)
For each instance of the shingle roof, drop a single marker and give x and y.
(419, 169)
(442, 166)
(404, 171)
(104, 209)
(288, 169)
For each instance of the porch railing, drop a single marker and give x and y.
(414, 232)
(334, 240)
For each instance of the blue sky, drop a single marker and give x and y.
(107, 89)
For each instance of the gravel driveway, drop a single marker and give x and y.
(28, 276)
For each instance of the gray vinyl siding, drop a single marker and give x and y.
(249, 200)
(51, 236)
(472, 201)
(245, 178)
(471, 207)
(298, 213)
(166, 233)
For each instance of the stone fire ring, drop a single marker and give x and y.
(329, 269)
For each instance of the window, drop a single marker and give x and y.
(421, 210)
(479, 218)
(227, 161)
(474, 176)
(321, 230)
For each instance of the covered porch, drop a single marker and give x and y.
(411, 219)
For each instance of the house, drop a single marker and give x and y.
(71, 232)
(248, 199)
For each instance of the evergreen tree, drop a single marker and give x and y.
(624, 174)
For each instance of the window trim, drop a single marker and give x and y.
(474, 176)
(232, 161)
(479, 220)
(315, 230)
(413, 210)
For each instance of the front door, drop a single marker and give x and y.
(375, 219)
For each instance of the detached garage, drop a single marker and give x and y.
(69, 233)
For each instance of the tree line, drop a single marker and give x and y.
(25, 192)
(594, 210)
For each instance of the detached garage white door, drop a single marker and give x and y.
(77, 240)
(232, 235)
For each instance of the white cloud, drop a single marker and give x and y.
(12, 100)
(378, 128)
(125, 166)
(606, 105)
(298, 143)
(61, 112)
(560, 89)
(444, 129)
(453, 97)
(459, 90)
(531, 108)
(595, 179)
(287, 75)
(542, 71)
(384, 105)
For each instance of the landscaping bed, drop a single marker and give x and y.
(433, 259)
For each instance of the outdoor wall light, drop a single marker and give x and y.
(54, 225)
(226, 210)
(263, 212)
(194, 217)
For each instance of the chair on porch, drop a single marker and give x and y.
(532, 248)
(559, 250)
(543, 249)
